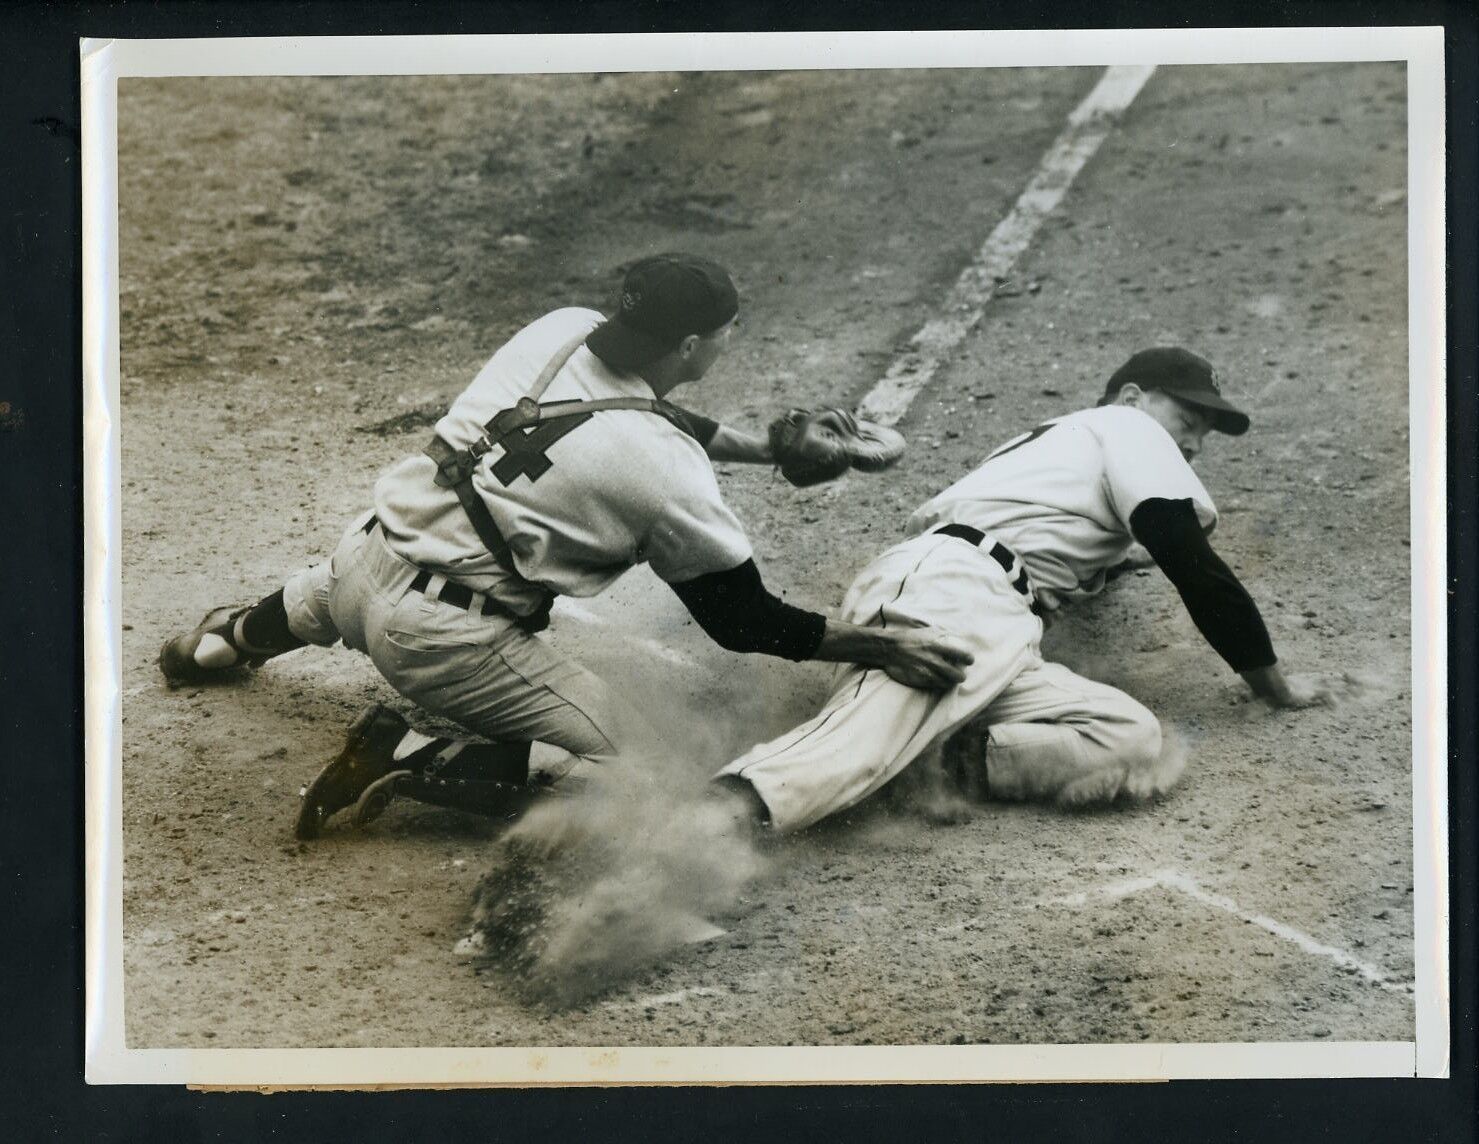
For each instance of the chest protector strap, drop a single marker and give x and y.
(455, 467)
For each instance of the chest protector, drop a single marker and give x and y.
(524, 432)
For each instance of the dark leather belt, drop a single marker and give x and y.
(457, 595)
(460, 597)
(449, 593)
(998, 552)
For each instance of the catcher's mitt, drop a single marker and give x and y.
(812, 446)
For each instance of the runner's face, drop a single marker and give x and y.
(1187, 424)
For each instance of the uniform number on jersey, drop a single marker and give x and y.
(524, 449)
(1027, 440)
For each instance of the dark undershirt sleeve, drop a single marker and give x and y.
(1218, 603)
(696, 425)
(738, 613)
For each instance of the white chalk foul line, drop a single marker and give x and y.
(1088, 125)
(1181, 883)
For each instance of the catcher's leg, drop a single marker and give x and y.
(384, 758)
(230, 641)
(1053, 735)
(543, 712)
(502, 683)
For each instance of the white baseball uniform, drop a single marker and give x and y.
(1054, 506)
(578, 509)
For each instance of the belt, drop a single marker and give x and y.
(457, 595)
(998, 552)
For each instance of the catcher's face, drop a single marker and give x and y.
(705, 350)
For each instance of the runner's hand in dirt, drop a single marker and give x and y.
(1297, 692)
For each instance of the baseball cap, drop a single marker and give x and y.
(664, 299)
(1184, 376)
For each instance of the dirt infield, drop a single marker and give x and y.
(311, 268)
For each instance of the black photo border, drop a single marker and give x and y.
(41, 729)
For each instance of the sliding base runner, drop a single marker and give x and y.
(1046, 519)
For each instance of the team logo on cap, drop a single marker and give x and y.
(630, 300)
(1215, 381)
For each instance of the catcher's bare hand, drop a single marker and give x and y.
(927, 658)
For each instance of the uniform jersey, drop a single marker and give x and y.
(622, 488)
(1061, 496)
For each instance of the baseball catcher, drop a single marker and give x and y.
(1043, 520)
(562, 465)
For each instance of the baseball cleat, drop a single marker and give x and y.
(206, 654)
(368, 757)
(377, 796)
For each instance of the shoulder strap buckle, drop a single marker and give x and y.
(454, 466)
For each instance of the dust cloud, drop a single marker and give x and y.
(586, 891)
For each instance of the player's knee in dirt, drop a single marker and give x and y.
(1136, 736)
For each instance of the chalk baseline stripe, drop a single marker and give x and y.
(1088, 125)
(1181, 883)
